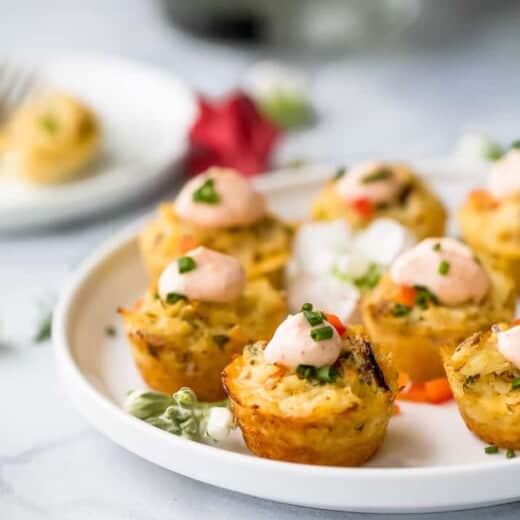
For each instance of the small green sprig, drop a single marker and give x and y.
(182, 414)
(323, 374)
(206, 193)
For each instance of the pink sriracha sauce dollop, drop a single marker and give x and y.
(228, 200)
(373, 180)
(445, 267)
(293, 345)
(508, 343)
(504, 176)
(214, 277)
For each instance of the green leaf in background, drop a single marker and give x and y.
(287, 110)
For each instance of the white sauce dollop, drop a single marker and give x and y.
(238, 203)
(463, 281)
(508, 343)
(292, 344)
(216, 278)
(356, 184)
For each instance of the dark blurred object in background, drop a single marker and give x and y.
(329, 24)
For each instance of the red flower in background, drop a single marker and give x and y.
(231, 133)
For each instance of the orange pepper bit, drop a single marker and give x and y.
(406, 295)
(186, 243)
(396, 410)
(516, 322)
(483, 199)
(435, 391)
(336, 323)
(363, 207)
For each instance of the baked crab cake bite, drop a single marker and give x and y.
(489, 219)
(484, 375)
(201, 312)
(315, 394)
(436, 293)
(219, 210)
(376, 189)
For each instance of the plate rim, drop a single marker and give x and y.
(79, 388)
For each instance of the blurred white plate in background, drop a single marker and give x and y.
(145, 115)
(429, 461)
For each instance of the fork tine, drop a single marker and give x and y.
(15, 86)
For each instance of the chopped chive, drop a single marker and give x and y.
(510, 454)
(340, 172)
(322, 333)
(173, 297)
(377, 176)
(326, 374)
(437, 246)
(306, 371)
(424, 297)
(110, 330)
(307, 307)
(400, 309)
(48, 122)
(44, 330)
(444, 267)
(370, 279)
(491, 450)
(186, 264)
(221, 339)
(515, 384)
(206, 193)
(314, 318)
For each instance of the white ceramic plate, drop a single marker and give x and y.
(429, 462)
(145, 115)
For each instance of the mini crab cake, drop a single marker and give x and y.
(311, 395)
(376, 189)
(484, 375)
(219, 210)
(435, 293)
(490, 219)
(202, 313)
(50, 139)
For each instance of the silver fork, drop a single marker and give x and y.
(16, 84)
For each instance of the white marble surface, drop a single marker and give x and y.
(411, 101)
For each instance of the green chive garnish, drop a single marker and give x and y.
(424, 297)
(305, 371)
(510, 454)
(322, 333)
(49, 124)
(380, 175)
(370, 279)
(173, 297)
(206, 193)
(437, 247)
(515, 144)
(110, 330)
(326, 374)
(515, 384)
(339, 173)
(307, 307)
(186, 263)
(444, 267)
(400, 309)
(491, 450)
(314, 318)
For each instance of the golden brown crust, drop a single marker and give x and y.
(335, 424)
(189, 343)
(481, 382)
(421, 211)
(262, 248)
(492, 228)
(414, 340)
